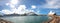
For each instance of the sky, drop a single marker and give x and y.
(25, 6)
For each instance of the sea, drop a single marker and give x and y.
(26, 19)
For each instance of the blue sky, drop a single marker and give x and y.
(24, 6)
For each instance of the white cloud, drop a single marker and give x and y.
(7, 4)
(6, 12)
(52, 4)
(33, 6)
(14, 2)
(22, 7)
(19, 10)
(31, 11)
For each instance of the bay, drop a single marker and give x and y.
(26, 19)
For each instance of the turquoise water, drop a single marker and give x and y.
(26, 19)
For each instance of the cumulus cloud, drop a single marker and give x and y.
(33, 6)
(7, 4)
(6, 12)
(13, 9)
(52, 4)
(21, 9)
(14, 2)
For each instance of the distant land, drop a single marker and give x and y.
(26, 14)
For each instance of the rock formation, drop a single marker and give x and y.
(4, 21)
(55, 18)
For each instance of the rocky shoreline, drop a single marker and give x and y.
(54, 18)
(5, 21)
